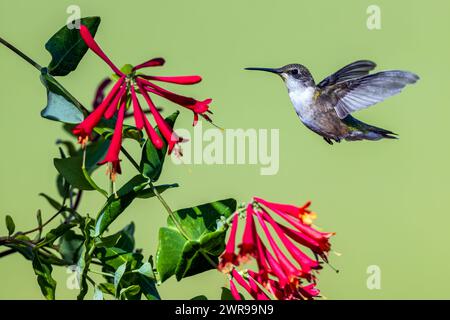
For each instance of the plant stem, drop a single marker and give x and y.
(39, 228)
(169, 211)
(208, 258)
(102, 273)
(7, 252)
(89, 178)
(39, 67)
(130, 158)
(20, 53)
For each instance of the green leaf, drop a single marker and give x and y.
(10, 224)
(148, 288)
(70, 146)
(115, 205)
(146, 270)
(106, 129)
(148, 192)
(61, 105)
(131, 290)
(126, 241)
(182, 257)
(200, 297)
(152, 159)
(55, 204)
(115, 257)
(98, 294)
(70, 168)
(55, 233)
(85, 257)
(109, 241)
(68, 48)
(118, 274)
(39, 222)
(170, 250)
(24, 249)
(107, 288)
(70, 246)
(43, 272)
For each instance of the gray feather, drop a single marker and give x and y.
(353, 70)
(357, 94)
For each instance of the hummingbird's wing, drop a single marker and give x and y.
(353, 70)
(360, 93)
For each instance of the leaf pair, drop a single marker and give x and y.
(67, 48)
(184, 257)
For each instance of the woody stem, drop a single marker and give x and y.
(20, 53)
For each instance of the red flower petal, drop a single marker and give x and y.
(248, 244)
(84, 129)
(90, 42)
(294, 211)
(114, 104)
(112, 155)
(229, 258)
(305, 262)
(257, 292)
(137, 110)
(239, 279)
(166, 131)
(290, 270)
(234, 291)
(154, 137)
(187, 102)
(155, 62)
(176, 79)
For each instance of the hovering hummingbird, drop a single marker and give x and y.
(325, 108)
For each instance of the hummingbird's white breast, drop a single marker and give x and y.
(302, 99)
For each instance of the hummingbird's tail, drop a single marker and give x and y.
(364, 131)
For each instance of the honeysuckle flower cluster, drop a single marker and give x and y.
(124, 93)
(284, 271)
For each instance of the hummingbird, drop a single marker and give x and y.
(326, 108)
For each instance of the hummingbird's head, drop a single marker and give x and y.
(293, 75)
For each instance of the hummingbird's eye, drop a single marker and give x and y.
(294, 71)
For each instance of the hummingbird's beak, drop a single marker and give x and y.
(277, 71)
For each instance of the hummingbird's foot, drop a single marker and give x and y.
(328, 140)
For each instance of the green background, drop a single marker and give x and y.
(388, 201)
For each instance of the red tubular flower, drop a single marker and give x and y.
(277, 274)
(301, 213)
(229, 258)
(130, 81)
(120, 96)
(155, 62)
(168, 134)
(176, 80)
(320, 237)
(253, 281)
(247, 247)
(309, 291)
(137, 110)
(241, 281)
(234, 291)
(85, 128)
(315, 246)
(90, 42)
(290, 270)
(112, 156)
(197, 107)
(305, 262)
